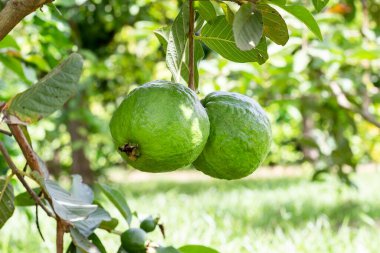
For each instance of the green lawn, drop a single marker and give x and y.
(288, 214)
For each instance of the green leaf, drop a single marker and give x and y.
(9, 42)
(275, 27)
(320, 4)
(219, 37)
(305, 17)
(24, 199)
(162, 35)
(177, 53)
(87, 227)
(228, 13)
(14, 65)
(82, 243)
(196, 249)
(40, 62)
(80, 190)
(118, 201)
(98, 243)
(67, 206)
(50, 93)
(109, 225)
(247, 27)
(169, 249)
(205, 9)
(278, 2)
(7, 206)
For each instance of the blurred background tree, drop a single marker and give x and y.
(323, 96)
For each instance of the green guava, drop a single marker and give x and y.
(240, 136)
(133, 240)
(160, 126)
(149, 224)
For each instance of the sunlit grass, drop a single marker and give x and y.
(257, 215)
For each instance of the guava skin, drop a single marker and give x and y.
(240, 136)
(133, 240)
(161, 125)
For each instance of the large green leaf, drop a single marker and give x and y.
(82, 243)
(50, 93)
(305, 17)
(177, 53)
(205, 9)
(7, 206)
(320, 4)
(247, 27)
(87, 227)
(66, 205)
(219, 37)
(275, 27)
(118, 201)
(196, 249)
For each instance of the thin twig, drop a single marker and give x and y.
(5, 132)
(191, 45)
(19, 175)
(38, 224)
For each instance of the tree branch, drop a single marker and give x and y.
(22, 180)
(14, 11)
(26, 149)
(346, 104)
(191, 45)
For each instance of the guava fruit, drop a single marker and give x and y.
(160, 126)
(240, 136)
(133, 240)
(149, 224)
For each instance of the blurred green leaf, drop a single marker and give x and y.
(14, 65)
(301, 13)
(167, 250)
(196, 249)
(9, 42)
(24, 198)
(109, 225)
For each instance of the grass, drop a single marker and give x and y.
(286, 214)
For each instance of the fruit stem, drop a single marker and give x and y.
(131, 150)
(191, 44)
